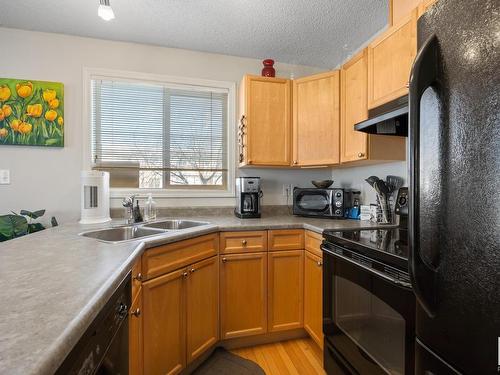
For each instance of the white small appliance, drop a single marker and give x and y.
(95, 197)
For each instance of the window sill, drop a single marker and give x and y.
(171, 193)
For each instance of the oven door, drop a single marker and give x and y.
(368, 321)
(312, 202)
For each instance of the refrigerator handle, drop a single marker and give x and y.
(423, 75)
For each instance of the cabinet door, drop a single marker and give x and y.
(164, 323)
(135, 335)
(354, 92)
(390, 58)
(399, 9)
(243, 294)
(286, 290)
(202, 307)
(313, 297)
(267, 121)
(316, 119)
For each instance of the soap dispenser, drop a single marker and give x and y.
(150, 208)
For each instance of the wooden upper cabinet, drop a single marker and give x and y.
(354, 94)
(265, 124)
(390, 58)
(202, 309)
(399, 9)
(316, 119)
(424, 5)
(358, 146)
(164, 322)
(243, 294)
(286, 290)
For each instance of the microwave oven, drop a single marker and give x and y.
(329, 203)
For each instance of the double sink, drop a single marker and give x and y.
(134, 232)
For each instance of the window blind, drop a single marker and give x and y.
(165, 136)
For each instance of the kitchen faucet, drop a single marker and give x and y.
(133, 212)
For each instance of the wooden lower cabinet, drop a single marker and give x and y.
(313, 297)
(164, 320)
(202, 307)
(243, 294)
(286, 290)
(135, 341)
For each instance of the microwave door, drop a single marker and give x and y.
(314, 203)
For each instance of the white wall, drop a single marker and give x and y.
(50, 178)
(354, 177)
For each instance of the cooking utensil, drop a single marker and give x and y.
(394, 183)
(381, 188)
(371, 180)
(322, 184)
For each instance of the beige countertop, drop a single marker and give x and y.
(54, 282)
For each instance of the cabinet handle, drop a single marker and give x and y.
(192, 270)
(320, 263)
(224, 260)
(295, 162)
(136, 313)
(250, 161)
(185, 274)
(244, 242)
(361, 154)
(138, 277)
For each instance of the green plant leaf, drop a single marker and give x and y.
(35, 227)
(12, 226)
(34, 214)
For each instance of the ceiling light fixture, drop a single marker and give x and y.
(105, 11)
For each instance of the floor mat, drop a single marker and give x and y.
(222, 362)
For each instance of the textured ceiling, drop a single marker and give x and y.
(318, 33)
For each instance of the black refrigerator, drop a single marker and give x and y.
(454, 147)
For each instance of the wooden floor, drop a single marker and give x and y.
(294, 357)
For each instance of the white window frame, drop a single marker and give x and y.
(90, 74)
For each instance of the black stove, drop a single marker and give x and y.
(368, 301)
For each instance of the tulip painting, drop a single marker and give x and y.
(31, 113)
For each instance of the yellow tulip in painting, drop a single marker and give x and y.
(49, 95)
(25, 128)
(54, 103)
(50, 115)
(7, 110)
(31, 113)
(34, 110)
(24, 89)
(4, 93)
(15, 125)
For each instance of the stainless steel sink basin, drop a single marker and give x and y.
(175, 224)
(121, 234)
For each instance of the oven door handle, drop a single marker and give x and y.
(399, 283)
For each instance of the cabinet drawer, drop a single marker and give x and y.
(286, 239)
(243, 242)
(162, 259)
(136, 278)
(313, 243)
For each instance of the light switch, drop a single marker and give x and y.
(4, 177)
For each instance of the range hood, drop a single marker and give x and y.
(388, 119)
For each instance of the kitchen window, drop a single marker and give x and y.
(162, 136)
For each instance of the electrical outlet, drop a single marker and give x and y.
(287, 189)
(4, 177)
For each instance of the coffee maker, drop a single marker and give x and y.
(248, 196)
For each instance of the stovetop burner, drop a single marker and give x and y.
(389, 246)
